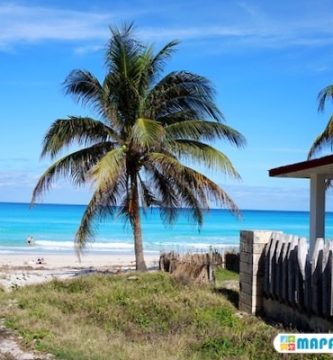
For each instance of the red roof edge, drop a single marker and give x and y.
(304, 165)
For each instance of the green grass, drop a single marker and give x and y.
(225, 275)
(152, 316)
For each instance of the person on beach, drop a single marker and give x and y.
(40, 261)
(30, 240)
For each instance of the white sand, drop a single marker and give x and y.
(53, 261)
(20, 270)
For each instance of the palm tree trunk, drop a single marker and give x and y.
(136, 226)
(139, 259)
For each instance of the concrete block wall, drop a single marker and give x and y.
(252, 248)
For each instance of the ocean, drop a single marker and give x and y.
(53, 229)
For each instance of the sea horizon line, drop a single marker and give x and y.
(155, 207)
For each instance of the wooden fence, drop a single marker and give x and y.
(293, 278)
(197, 267)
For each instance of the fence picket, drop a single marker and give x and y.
(278, 267)
(292, 277)
(284, 271)
(326, 278)
(271, 270)
(291, 264)
(267, 267)
(300, 273)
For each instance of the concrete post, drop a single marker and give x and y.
(317, 209)
(252, 246)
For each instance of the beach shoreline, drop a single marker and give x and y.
(27, 269)
(56, 261)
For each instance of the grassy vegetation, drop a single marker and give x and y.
(225, 275)
(135, 316)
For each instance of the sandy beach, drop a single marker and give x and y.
(21, 270)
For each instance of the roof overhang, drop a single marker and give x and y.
(305, 169)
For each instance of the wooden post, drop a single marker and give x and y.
(210, 265)
(317, 209)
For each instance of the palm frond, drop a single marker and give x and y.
(179, 91)
(102, 204)
(194, 200)
(201, 153)
(86, 89)
(83, 130)
(192, 204)
(323, 140)
(199, 183)
(108, 168)
(108, 103)
(159, 60)
(143, 69)
(146, 133)
(124, 57)
(176, 193)
(122, 48)
(204, 130)
(169, 202)
(176, 116)
(84, 86)
(75, 166)
(323, 96)
(109, 176)
(147, 197)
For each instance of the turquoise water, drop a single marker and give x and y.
(53, 228)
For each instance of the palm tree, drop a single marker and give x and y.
(325, 138)
(147, 125)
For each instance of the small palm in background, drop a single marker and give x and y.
(325, 138)
(147, 124)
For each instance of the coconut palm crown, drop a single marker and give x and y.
(325, 138)
(137, 153)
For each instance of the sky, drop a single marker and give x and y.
(267, 60)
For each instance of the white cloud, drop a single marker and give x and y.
(254, 26)
(278, 36)
(17, 179)
(30, 24)
(246, 25)
(81, 50)
(269, 197)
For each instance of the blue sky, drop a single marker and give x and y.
(268, 61)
